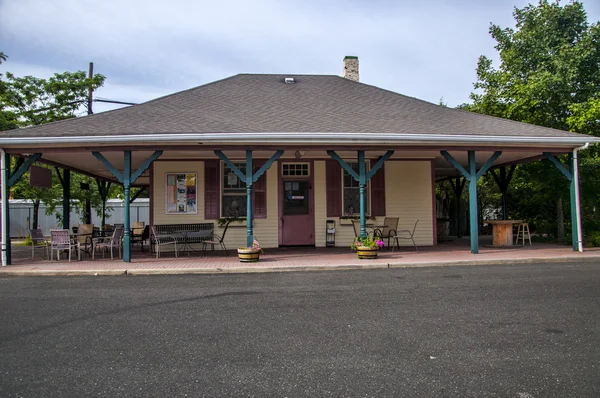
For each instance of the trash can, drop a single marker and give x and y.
(330, 233)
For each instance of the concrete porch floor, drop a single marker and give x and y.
(456, 252)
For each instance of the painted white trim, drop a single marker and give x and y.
(577, 200)
(4, 208)
(331, 138)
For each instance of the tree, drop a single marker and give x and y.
(37, 101)
(549, 75)
(28, 101)
(24, 190)
(8, 118)
(548, 64)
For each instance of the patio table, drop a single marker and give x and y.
(187, 236)
(502, 232)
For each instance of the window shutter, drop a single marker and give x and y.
(378, 191)
(259, 194)
(333, 175)
(211, 189)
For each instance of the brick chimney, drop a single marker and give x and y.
(351, 67)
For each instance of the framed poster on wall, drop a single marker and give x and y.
(181, 193)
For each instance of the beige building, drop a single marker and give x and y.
(310, 144)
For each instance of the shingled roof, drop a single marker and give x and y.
(256, 103)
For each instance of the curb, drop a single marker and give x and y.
(35, 272)
(537, 260)
(241, 270)
(246, 270)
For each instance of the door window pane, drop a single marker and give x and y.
(295, 197)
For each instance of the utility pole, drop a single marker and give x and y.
(88, 201)
(90, 75)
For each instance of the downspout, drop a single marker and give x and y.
(577, 200)
(4, 182)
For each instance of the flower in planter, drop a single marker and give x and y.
(367, 241)
(255, 247)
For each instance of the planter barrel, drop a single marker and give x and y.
(248, 255)
(364, 252)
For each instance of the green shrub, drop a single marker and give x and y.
(592, 239)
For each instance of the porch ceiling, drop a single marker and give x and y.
(82, 160)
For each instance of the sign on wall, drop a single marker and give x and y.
(181, 193)
(40, 177)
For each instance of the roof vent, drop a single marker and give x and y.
(289, 80)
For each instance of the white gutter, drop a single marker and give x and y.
(296, 138)
(577, 200)
(4, 207)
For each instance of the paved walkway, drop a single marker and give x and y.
(296, 259)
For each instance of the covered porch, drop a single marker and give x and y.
(454, 252)
(288, 158)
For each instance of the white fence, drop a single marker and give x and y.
(21, 215)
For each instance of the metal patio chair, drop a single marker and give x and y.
(406, 234)
(61, 240)
(356, 226)
(158, 240)
(389, 229)
(85, 232)
(111, 242)
(38, 241)
(137, 232)
(217, 240)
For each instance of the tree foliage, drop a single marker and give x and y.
(549, 75)
(37, 101)
(549, 64)
(29, 101)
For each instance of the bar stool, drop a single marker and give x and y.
(522, 231)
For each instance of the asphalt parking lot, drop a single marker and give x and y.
(510, 331)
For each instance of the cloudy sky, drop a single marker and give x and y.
(148, 48)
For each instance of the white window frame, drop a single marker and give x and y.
(367, 193)
(295, 163)
(240, 164)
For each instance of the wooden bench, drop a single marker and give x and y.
(183, 235)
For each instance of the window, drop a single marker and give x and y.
(351, 194)
(295, 169)
(234, 199)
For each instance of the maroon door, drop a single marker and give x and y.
(297, 221)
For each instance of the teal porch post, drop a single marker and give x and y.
(503, 182)
(472, 175)
(473, 217)
(6, 257)
(127, 207)
(10, 178)
(575, 220)
(569, 174)
(249, 220)
(458, 184)
(574, 214)
(362, 177)
(66, 185)
(127, 178)
(249, 178)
